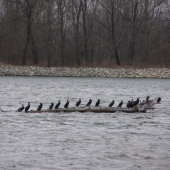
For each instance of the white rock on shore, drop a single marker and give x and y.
(84, 72)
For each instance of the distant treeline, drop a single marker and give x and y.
(85, 32)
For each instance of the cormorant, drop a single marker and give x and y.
(78, 103)
(97, 103)
(112, 103)
(66, 105)
(129, 104)
(21, 108)
(120, 104)
(40, 107)
(27, 107)
(89, 102)
(136, 102)
(51, 106)
(147, 98)
(58, 104)
(159, 99)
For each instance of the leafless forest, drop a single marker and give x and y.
(85, 33)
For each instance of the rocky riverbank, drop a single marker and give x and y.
(84, 72)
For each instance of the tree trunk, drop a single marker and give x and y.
(34, 52)
(131, 52)
(116, 54)
(24, 58)
(134, 29)
(113, 37)
(84, 13)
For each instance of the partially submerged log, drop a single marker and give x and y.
(91, 109)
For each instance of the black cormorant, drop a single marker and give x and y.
(112, 103)
(58, 104)
(159, 99)
(78, 103)
(27, 107)
(136, 102)
(40, 107)
(120, 104)
(89, 102)
(129, 104)
(97, 103)
(51, 106)
(66, 105)
(21, 108)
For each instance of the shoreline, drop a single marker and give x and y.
(162, 73)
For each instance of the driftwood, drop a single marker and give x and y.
(90, 109)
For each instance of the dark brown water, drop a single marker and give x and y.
(87, 141)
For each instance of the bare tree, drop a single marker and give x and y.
(76, 11)
(28, 8)
(49, 29)
(113, 25)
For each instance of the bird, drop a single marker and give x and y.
(120, 104)
(58, 104)
(129, 104)
(40, 107)
(21, 108)
(66, 105)
(78, 103)
(159, 99)
(147, 98)
(27, 107)
(97, 103)
(89, 102)
(112, 103)
(51, 106)
(136, 102)
(132, 103)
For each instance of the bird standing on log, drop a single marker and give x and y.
(136, 102)
(129, 104)
(21, 108)
(66, 105)
(58, 104)
(51, 106)
(78, 103)
(158, 100)
(120, 104)
(97, 103)
(27, 107)
(89, 102)
(40, 107)
(112, 103)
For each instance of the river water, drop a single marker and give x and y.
(83, 141)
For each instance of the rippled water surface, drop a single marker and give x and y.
(83, 141)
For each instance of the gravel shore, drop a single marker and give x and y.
(84, 72)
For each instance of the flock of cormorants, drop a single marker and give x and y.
(130, 104)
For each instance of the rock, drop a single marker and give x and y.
(84, 72)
